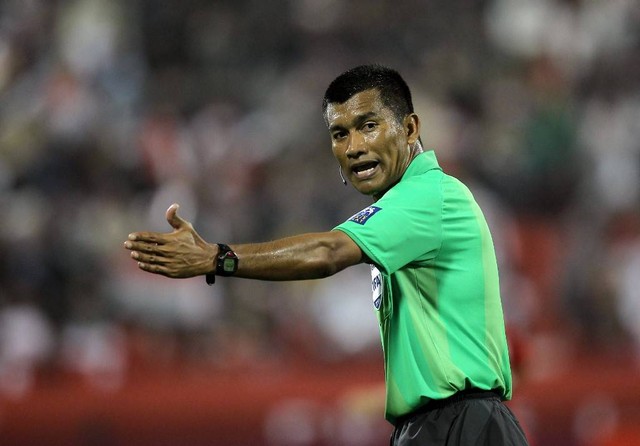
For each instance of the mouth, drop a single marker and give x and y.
(364, 170)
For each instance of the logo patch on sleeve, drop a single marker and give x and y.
(365, 214)
(377, 287)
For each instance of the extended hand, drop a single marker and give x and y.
(178, 254)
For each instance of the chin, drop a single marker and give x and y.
(367, 190)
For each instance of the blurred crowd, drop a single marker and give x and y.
(112, 110)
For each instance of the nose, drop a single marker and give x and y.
(356, 145)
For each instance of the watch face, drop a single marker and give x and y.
(229, 265)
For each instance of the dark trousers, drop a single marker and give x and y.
(479, 419)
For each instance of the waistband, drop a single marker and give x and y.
(463, 395)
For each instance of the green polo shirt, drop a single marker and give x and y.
(435, 289)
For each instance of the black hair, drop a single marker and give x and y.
(394, 91)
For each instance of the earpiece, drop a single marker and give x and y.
(342, 176)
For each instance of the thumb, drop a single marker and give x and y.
(174, 220)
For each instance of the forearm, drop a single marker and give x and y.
(306, 256)
(183, 253)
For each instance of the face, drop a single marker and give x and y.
(372, 147)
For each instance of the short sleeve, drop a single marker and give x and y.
(404, 226)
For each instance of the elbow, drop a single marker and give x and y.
(322, 255)
(320, 266)
(328, 260)
(328, 269)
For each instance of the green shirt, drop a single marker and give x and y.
(435, 289)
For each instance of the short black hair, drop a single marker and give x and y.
(394, 91)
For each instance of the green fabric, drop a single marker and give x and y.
(440, 313)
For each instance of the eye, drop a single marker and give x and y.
(369, 125)
(340, 134)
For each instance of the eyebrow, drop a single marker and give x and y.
(356, 121)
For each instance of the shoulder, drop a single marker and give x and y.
(420, 187)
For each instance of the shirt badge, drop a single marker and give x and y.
(365, 214)
(377, 287)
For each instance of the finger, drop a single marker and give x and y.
(155, 269)
(174, 220)
(150, 248)
(146, 248)
(148, 237)
(149, 258)
(164, 251)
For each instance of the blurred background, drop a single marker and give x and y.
(112, 110)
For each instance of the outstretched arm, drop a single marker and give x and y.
(183, 253)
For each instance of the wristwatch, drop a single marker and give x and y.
(226, 263)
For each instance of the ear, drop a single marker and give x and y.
(412, 128)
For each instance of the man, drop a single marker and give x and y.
(434, 273)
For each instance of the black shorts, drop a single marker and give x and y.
(472, 418)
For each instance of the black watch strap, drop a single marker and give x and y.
(226, 263)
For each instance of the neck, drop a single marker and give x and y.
(414, 151)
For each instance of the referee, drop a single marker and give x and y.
(433, 267)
